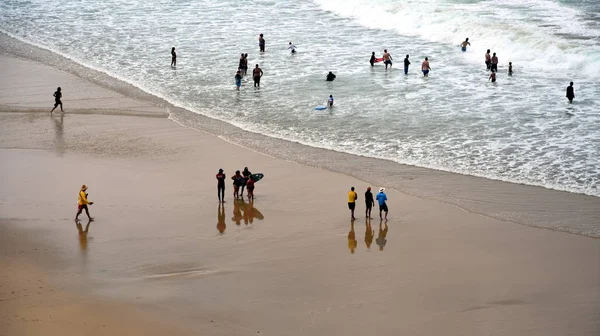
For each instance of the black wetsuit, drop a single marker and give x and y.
(372, 60)
(369, 202)
(330, 77)
(221, 186)
(570, 93)
(246, 174)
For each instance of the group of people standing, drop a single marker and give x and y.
(241, 180)
(387, 60)
(381, 199)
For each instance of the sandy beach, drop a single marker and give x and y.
(163, 257)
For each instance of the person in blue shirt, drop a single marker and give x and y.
(381, 198)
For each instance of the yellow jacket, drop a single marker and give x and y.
(82, 199)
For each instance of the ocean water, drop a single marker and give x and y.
(520, 129)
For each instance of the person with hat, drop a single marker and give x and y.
(221, 185)
(381, 198)
(369, 202)
(352, 196)
(82, 203)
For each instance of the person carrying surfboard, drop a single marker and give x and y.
(406, 64)
(257, 73)
(246, 175)
(387, 58)
(369, 202)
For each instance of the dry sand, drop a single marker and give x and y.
(154, 261)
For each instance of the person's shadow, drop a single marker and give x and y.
(245, 211)
(352, 243)
(83, 234)
(221, 226)
(59, 133)
(369, 233)
(381, 241)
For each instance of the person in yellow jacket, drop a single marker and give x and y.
(82, 203)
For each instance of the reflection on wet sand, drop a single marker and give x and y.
(381, 241)
(221, 226)
(59, 136)
(246, 212)
(83, 238)
(352, 243)
(369, 233)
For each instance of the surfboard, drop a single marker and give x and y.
(320, 107)
(378, 59)
(257, 177)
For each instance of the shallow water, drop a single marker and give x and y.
(520, 129)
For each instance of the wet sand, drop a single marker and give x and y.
(292, 263)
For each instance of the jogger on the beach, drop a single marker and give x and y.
(82, 203)
(57, 101)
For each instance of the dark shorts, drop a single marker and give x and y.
(81, 206)
(220, 186)
(388, 62)
(494, 67)
(369, 205)
(257, 79)
(352, 205)
(383, 207)
(57, 102)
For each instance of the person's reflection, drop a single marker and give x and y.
(369, 233)
(245, 211)
(381, 241)
(83, 238)
(352, 243)
(221, 226)
(59, 136)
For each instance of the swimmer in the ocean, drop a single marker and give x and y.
(387, 59)
(292, 47)
(261, 43)
(425, 67)
(570, 92)
(372, 60)
(406, 64)
(510, 72)
(493, 76)
(465, 44)
(330, 77)
(173, 57)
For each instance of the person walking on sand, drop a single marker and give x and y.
(463, 46)
(82, 203)
(173, 57)
(425, 67)
(261, 43)
(369, 202)
(373, 58)
(57, 101)
(494, 65)
(510, 72)
(330, 101)
(387, 58)
(257, 73)
(493, 76)
(238, 80)
(570, 92)
(406, 64)
(381, 199)
(246, 176)
(221, 185)
(488, 60)
(238, 180)
(352, 196)
(250, 188)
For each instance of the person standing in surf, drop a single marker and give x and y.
(330, 101)
(406, 64)
(292, 48)
(493, 76)
(261, 43)
(373, 58)
(173, 57)
(330, 77)
(238, 80)
(381, 199)
(245, 69)
(570, 92)
(510, 72)
(369, 202)
(57, 101)
(241, 63)
(488, 60)
(425, 67)
(221, 186)
(463, 46)
(387, 58)
(352, 197)
(494, 65)
(257, 73)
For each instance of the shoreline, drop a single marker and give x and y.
(552, 209)
(155, 247)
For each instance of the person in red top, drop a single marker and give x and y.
(221, 186)
(250, 188)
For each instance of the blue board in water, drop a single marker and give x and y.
(320, 107)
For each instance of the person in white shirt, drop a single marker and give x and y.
(292, 47)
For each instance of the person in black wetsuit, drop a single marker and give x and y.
(246, 174)
(330, 77)
(406, 64)
(372, 60)
(57, 101)
(173, 57)
(221, 186)
(570, 92)
(369, 202)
